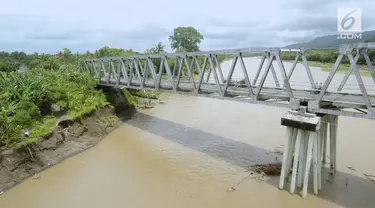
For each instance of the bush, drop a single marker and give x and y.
(25, 95)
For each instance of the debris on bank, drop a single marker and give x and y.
(279, 149)
(370, 177)
(262, 170)
(270, 169)
(351, 168)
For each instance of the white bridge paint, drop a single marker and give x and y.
(306, 151)
(272, 82)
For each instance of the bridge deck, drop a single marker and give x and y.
(240, 93)
(139, 72)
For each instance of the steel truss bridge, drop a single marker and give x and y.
(155, 72)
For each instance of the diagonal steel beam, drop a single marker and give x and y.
(230, 74)
(329, 78)
(362, 87)
(294, 65)
(190, 72)
(124, 70)
(284, 75)
(274, 75)
(104, 70)
(169, 73)
(205, 63)
(146, 70)
(141, 67)
(175, 67)
(260, 68)
(264, 76)
(152, 69)
(369, 65)
(209, 73)
(191, 62)
(201, 75)
(308, 70)
(160, 74)
(137, 70)
(113, 69)
(220, 91)
(197, 64)
(347, 75)
(118, 74)
(179, 72)
(96, 71)
(131, 70)
(244, 72)
(219, 68)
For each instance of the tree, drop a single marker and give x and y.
(158, 48)
(8, 66)
(106, 51)
(66, 51)
(185, 39)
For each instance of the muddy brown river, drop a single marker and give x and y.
(190, 152)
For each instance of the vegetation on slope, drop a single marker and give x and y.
(27, 100)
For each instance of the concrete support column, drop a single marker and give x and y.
(306, 149)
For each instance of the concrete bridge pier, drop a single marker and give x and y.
(306, 149)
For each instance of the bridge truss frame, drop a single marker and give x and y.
(139, 72)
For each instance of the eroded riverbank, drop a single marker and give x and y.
(67, 139)
(17, 165)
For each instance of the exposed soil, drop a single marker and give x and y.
(17, 165)
(68, 139)
(270, 169)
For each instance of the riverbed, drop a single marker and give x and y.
(196, 152)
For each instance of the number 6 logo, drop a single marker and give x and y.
(349, 20)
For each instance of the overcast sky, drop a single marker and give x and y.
(80, 25)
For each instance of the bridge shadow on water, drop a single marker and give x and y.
(346, 190)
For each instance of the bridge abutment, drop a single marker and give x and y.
(310, 137)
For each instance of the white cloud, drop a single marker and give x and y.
(49, 26)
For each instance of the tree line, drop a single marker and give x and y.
(327, 56)
(184, 39)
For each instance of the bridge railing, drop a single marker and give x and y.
(205, 73)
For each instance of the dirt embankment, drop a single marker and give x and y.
(69, 138)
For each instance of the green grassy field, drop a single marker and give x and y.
(343, 68)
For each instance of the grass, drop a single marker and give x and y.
(132, 100)
(110, 121)
(44, 128)
(343, 68)
(25, 95)
(144, 93)
(39, 130)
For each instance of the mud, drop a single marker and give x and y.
(68, 139)
(17, 165)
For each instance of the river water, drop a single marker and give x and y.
(189, 152)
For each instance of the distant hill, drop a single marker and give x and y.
(331, 41)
